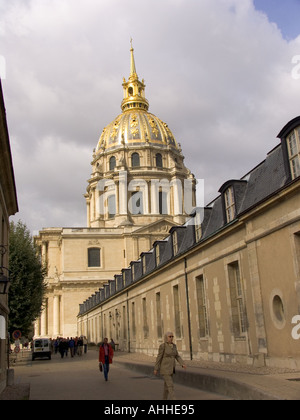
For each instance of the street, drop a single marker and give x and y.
(79, 378)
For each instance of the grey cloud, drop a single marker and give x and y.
(217, 72)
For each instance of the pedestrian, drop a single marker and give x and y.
(72, 346)
(165, 363)
(56, 344)
(85, 344)
(106, 355)
(79, 346)
(67, 340)
(62, 347)
(112, 343)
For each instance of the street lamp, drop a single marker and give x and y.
(4, 281)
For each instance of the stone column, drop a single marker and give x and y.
(56, 315)
(44, 321)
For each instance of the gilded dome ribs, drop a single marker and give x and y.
(136, 143)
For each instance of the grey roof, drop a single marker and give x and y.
(265, 179)
(258, 185)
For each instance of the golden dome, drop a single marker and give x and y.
(135, 126)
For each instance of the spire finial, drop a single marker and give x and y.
(134, 90)
(132, 62)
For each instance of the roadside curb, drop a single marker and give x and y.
(211, 382)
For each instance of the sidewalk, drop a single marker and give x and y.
(236, 381)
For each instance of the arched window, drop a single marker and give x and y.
(112, 163)
(94, 257)
(135, 160)
(159, 161)
(130, 91)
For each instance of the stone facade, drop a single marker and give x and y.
(226, 282)
(138, 189)
(8, 207)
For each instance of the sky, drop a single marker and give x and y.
(223, 74)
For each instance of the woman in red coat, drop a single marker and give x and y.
(106, 355)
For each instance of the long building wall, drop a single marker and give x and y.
(229, 298)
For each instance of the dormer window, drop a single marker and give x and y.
(293, 144)
(229, 204)
(175, 243)
(198, 226)
(144, 262)
(157, 255)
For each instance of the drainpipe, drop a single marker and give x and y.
(188, 307)
(101, 313)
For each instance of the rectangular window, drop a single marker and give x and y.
(158, 316)
(2, 242)
(229, 204)
(293, 143)
(239, 317)
(104, 325)
(111, 203)
(202, 307)
(124, 322)
(136, 205)
(297, 248)
(94, 257)
(163, 202)
(145, 319)
(133, 325)
(177, 311)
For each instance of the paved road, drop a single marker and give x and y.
(79, 378)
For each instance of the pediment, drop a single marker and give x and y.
(160, 227)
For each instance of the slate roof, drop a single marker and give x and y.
(258, 185)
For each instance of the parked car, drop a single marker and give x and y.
(41, 348)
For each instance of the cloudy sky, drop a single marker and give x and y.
(223, 74)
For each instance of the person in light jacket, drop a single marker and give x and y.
(165, 363)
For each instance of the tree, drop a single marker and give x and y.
(27, 289)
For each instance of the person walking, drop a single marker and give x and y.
(85, 344)
(62, 347)
(106, 355)
(79, 346)
(112, 343)
(72, 346)
(165, 363)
